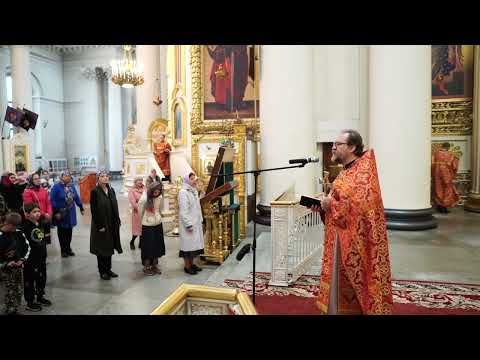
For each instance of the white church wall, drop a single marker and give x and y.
(47, 70)
(84, 115)
(81, 114)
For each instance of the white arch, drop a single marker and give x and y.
(37, 89)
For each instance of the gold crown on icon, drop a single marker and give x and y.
(220, 73)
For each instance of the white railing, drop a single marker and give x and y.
(297, 240)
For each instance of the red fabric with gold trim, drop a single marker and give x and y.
(357, 216)
(444, 169)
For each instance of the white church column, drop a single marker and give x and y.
(473, 199)
(400, 132)
(3, 103)
(115, 138)
(21, 78)
(148, 56)
(336, 88)
(286, 124)
(163, 81)
(22, 94)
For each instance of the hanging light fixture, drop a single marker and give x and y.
(126, 72)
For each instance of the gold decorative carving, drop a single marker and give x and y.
(197, 123)
(221, 295)
(452, 117)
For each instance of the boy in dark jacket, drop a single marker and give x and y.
(35, 269)
(14, 250)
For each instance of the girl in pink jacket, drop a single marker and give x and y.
(134, 196)
(35, 193)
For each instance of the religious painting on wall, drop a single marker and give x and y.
(21, 158)
(452, 72)
(208, 163)
(179, 124)
(230, 82)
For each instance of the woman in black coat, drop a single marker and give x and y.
(105, 228)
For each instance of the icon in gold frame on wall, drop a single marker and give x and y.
(452, 71)
(229, 76)
(179, 121)
(21, 158)
(208, 163)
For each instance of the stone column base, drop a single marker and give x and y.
(264, 215)
(472, 203)
(410, 220)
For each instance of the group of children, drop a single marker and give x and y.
(23, 256)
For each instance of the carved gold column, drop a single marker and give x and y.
(473, 199)
(240, 136)
(219, 248)
(226, 234)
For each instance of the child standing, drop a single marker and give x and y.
(151, 240)
(14, 250)
(35, 269)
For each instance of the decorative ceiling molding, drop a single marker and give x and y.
(75, 49)
(102, 72)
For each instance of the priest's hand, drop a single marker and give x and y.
(316, 208)
(326, 203)
(102, 229)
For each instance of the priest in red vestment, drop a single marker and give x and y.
(161, 150)
(355, 276)
(444, 170)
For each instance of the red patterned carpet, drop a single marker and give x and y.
(410, 297)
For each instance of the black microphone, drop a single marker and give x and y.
(243, 251)
(312, 159)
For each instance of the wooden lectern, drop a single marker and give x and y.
(87, 184)
(220, 210)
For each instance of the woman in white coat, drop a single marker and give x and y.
(190, 227)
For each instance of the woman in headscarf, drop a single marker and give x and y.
(134, 196)
(190, 227)
(35, 193)
(151, 240)
(11, 189)
(63, 197)
(105, 228)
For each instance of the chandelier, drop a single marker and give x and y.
(126, 73)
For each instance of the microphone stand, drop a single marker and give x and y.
(255, 174)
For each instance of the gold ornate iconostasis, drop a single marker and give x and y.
(452, 106)
(224, 107)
